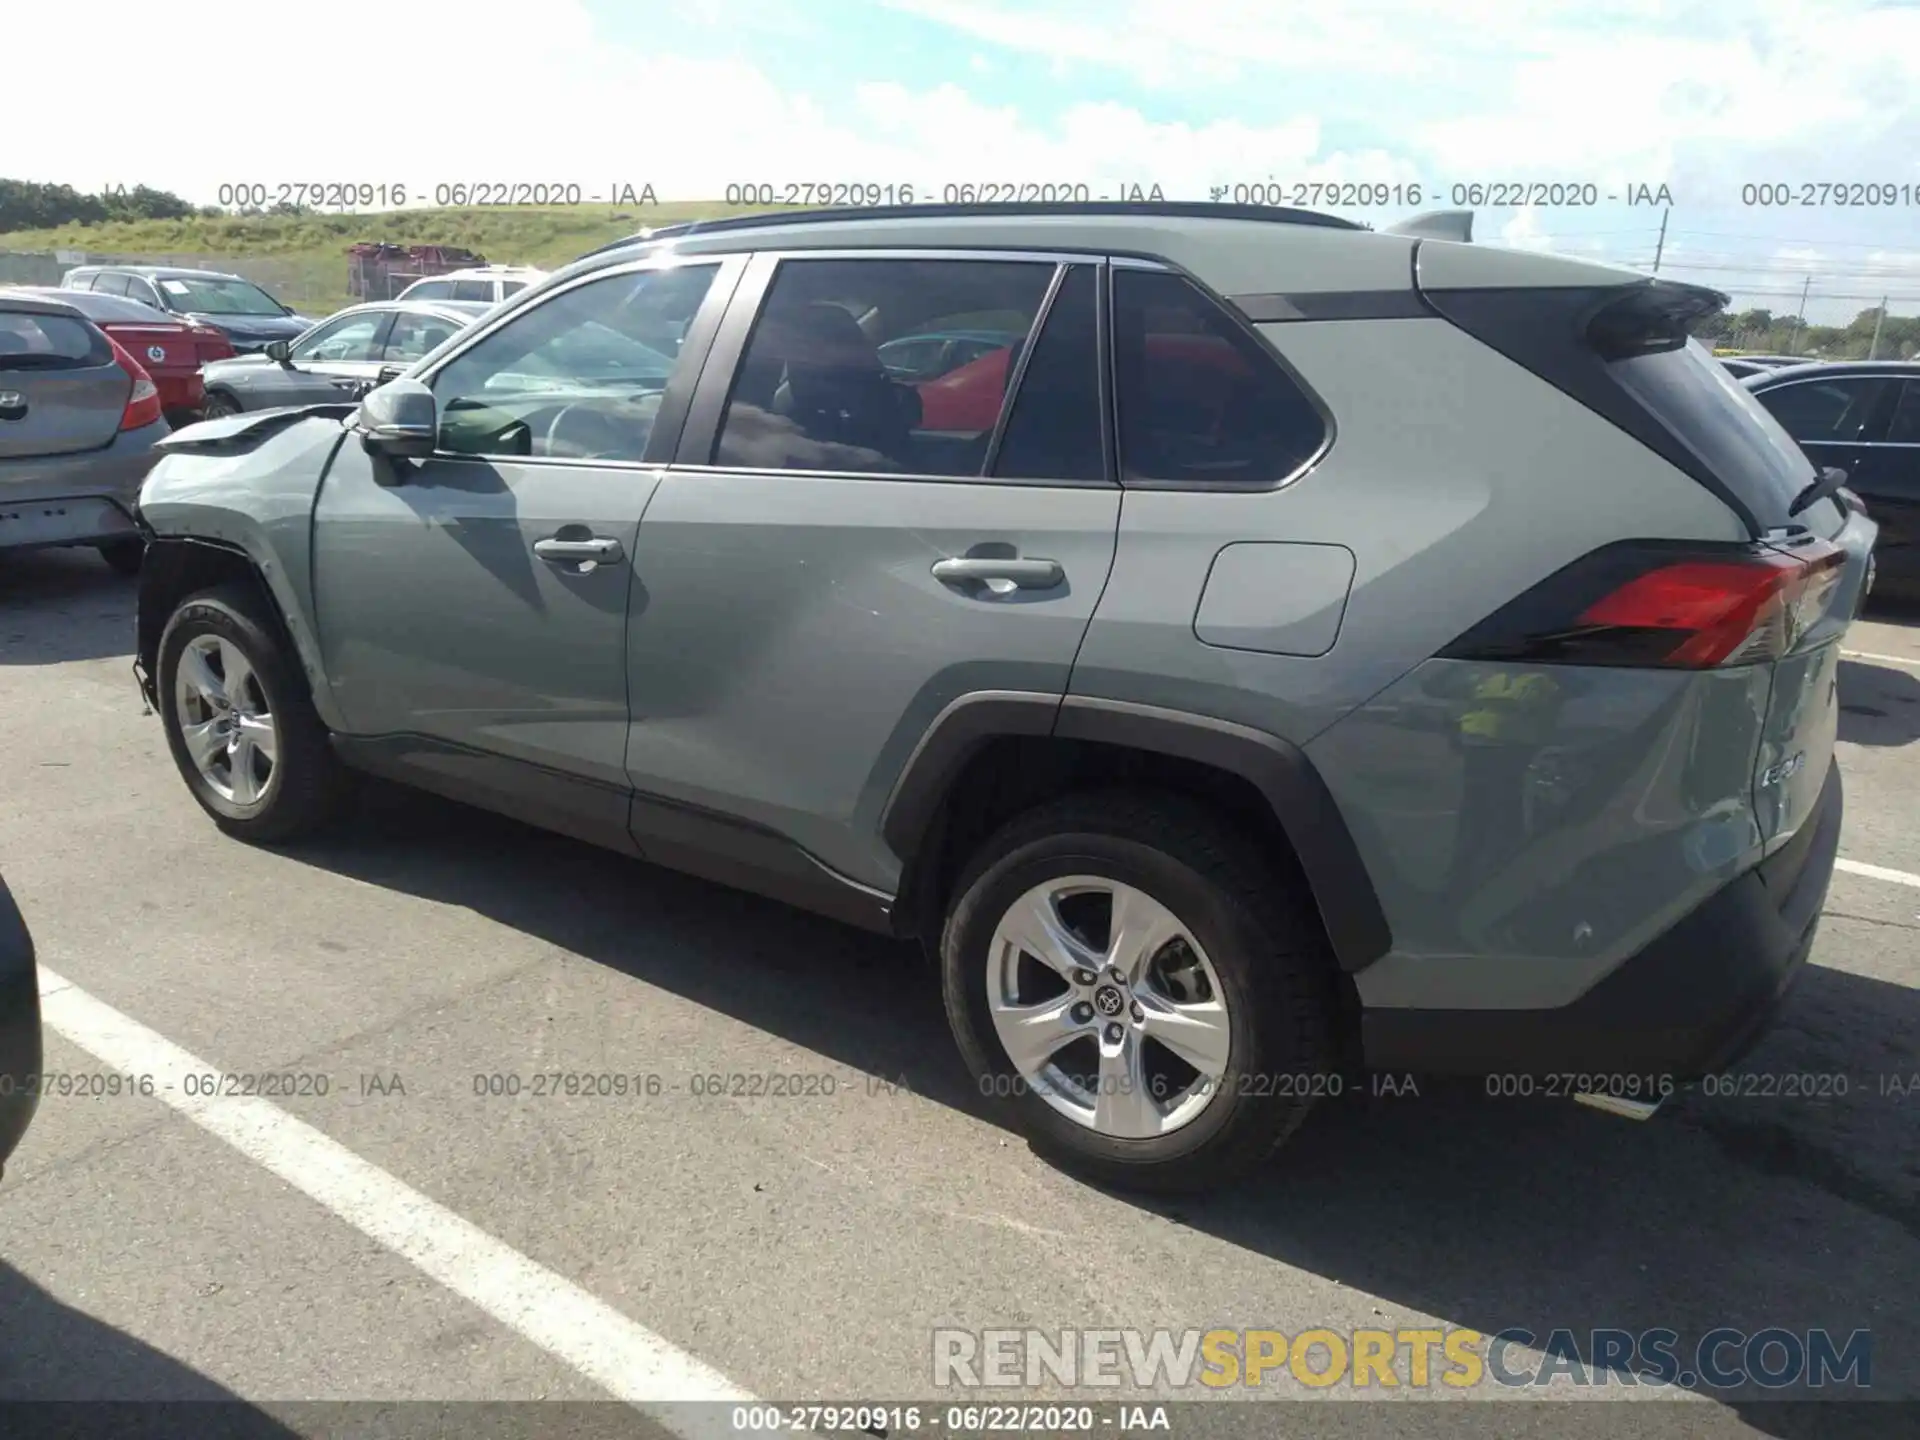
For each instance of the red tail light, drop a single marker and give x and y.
(211, 344)
(1664, 605)
(143, 404)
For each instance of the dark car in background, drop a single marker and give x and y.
(20, 1042)
(340, 358)
(1863, 417)
(170, 349)
(249, 317)
(78, 422)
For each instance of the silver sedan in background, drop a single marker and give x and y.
(338, 359)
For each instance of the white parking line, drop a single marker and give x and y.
(1878, 872)
(1883, 659)
(576, 1328)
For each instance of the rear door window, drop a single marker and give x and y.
(1201, 402)
(1905, 426)
(814, 392)
(431, 290)
(1833, 410)
(1055, 430)
(473, 290)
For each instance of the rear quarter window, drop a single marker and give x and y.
(1201, 401)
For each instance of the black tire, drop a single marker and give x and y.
(307, 787)
(1266, 945)
(125, 556)
(219, 404)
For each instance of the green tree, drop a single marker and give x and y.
(31, 205)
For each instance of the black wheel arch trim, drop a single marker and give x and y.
(1343, 892)
(159, 595)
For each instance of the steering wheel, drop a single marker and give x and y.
(583, 432)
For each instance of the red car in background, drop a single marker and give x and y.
(169, 349)
(968, 399)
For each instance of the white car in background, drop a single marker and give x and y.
(488, 283)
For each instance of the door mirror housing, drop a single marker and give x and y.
(400, 418)
(280, 351)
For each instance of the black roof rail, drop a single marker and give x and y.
(1144, 209)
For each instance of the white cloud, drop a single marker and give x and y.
(1186, 93)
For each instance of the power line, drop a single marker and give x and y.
(1739, 293)
(1835, 272)
(1784, 240)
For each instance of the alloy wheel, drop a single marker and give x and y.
(224, 719)
(1108, 1007)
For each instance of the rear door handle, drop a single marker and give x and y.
(593, 551)
(1017, 574)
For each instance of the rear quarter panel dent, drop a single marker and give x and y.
(1519, 865)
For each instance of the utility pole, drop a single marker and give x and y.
(1660, 245)
(1873, 348)
(1793, 335)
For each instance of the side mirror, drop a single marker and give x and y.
(280, 351)
(399, 419)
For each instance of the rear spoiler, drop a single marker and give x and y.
(1436, 225)
(232, 433)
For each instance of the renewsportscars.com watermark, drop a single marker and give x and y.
(1454, 1358)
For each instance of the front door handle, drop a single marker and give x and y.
(585, 552)
(1012, 573)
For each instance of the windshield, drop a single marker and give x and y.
(223, 296)
(591, 353)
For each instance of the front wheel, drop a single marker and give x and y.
(219, 404)
(239, 721)
(1149, 1000)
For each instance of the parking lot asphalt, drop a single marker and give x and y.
(409, 1235)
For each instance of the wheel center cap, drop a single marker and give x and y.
(1108, 1000)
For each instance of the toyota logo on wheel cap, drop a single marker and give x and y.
(1108, 1000)
(156, 353)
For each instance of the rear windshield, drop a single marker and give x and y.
(30, 341)
(1716, 417)
(1626, 354)
(113, 308)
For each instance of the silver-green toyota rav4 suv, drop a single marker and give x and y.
(1293, 648)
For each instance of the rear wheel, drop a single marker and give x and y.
(125, 556)
(1152, 1005)
(239, 721)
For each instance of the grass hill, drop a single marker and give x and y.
(308, 250)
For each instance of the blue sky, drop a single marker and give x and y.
(689, 95)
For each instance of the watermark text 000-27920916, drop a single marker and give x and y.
(353, 195)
